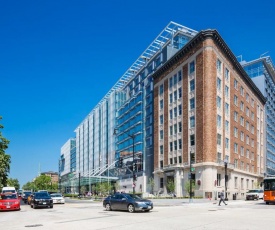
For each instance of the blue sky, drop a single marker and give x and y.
(59, 58)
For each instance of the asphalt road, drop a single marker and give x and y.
(167, 214)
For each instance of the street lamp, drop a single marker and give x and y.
(133, 141)
(225, 177)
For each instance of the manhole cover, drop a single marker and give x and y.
(33, 225)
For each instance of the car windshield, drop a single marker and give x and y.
(56, 195)
(254, 191)
(41, 195)
(8, 196)
(27, 193)
(132, 196)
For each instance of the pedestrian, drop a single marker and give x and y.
(222, 198)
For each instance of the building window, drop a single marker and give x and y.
(171, 113)
(170, 82)
(171, 146)
(247, 97)
(180, 109)
(219, 102)
(171, 161)
(247, 140)
(242, 91)
(192, 122)
(242, 121)
(219, 157)
(219, 139)
(218, 179)
(161, 134)
(226, 143)
(247, 153)
(242, 183)
(242, 136)
(236, 182)
(235, 132)
(242, 151)
(192, 140)
(175, 128)
(242, 106)
(161, 164)
(235, 116)
(180, 127)
(235, 84)
(180, 92)
(175, 145)
(192, 85)
(226, 109)
(247, 125)
(192, 103)
(175, 112)
(235, 148)
(226, 91)
(235, 100)
(170, 98)
(180, 143)
(175, 95)
(219, 84)
(161, 89)
(219, 121)
(161, 119)
(219, 65)
(175, 79)
(247, 111)
(180, 159)
(161, 182)
(175, 160)
(161, 149)
(191, 67)
(179, 76)
(161, 104)
(171, 130)
(226, 126)
(236, 163)
(226, 74)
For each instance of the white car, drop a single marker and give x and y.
(58, 198)
(254, 194)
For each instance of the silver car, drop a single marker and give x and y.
(58, 198)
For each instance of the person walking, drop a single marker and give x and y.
(222, 198)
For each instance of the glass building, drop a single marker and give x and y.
(262, 72)
(126, 109)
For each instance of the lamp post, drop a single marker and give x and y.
(225, 178)
(79, 184)
(133, 141)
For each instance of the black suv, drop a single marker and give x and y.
(25, 196)
(41, 199)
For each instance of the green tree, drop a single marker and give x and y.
(29, 186)
(187, 186)
(83, 190)
(13, 183)
(43, 182)
(152, 184)
(170, 186)
(5, 159)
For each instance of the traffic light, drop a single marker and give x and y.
(134, 167)
(120, 162)
(192, 158)
(193, 176)
(135, 177)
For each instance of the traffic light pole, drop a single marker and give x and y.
(190, 176)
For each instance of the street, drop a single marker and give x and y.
(167, 214)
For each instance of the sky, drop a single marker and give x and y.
(58, 59)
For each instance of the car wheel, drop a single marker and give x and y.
(131, 208)
(51, 206)
(267, 202)
(34, 207)
(108, 207)
(146, 210)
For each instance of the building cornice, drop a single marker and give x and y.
(215, 36)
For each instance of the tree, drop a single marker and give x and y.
(187, 186)
(152, 184)
(43, 182)
(13, 183)
(170, 186)
(5, 159)
(29, 186)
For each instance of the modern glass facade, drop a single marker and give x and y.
(261, 71)
(128, 109)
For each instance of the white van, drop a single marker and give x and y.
(8, 189)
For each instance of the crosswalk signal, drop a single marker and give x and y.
(192, 158)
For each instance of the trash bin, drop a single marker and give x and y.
(234, 196)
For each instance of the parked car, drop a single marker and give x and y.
(58, 198)
(25, 196)
(125, 201)
(9, 201)
(255, 194)
(41, 199)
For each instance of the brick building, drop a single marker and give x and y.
(206, 106)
